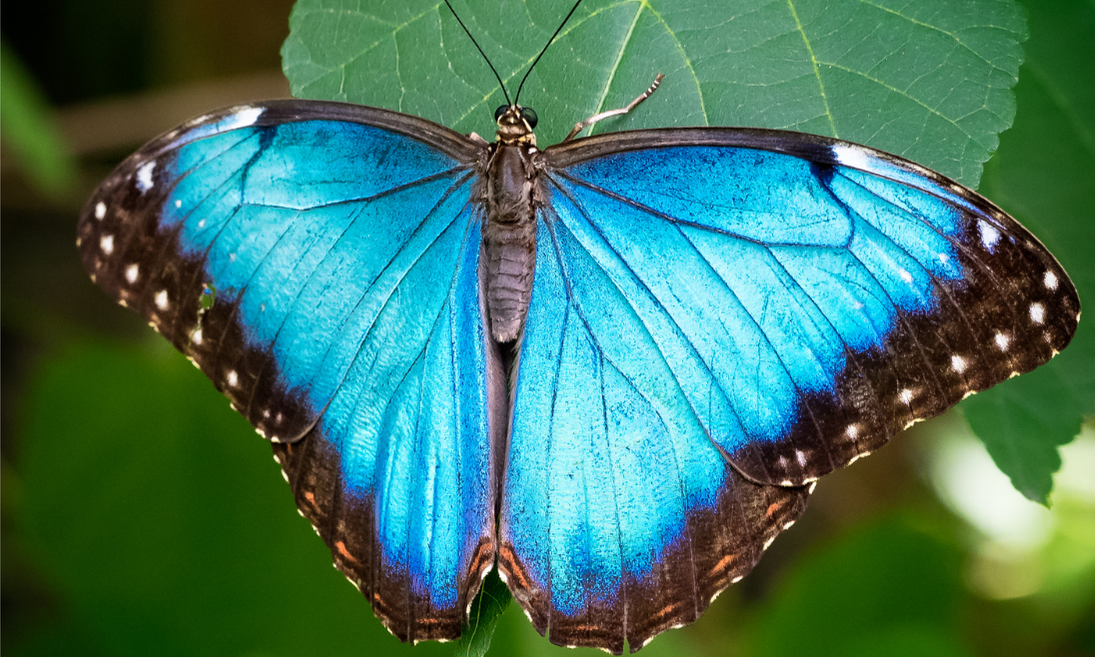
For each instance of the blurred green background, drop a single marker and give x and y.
(140, 514)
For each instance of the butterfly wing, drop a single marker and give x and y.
(718, 318)
(319, 262)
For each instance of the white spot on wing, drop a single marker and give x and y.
(852, 431)
(1037, 313)
(196, 338)
(1002, 341)
(989, 235)
(800, 457)
(905, 396)
(106, 243)
(131, 273)
(232, 378)
(100, 210)
(851, 156)
(144, 176)
(958, 363)
(178, 203)
(161, 300)
(905, 276)
(243, 118)
(1051, 280)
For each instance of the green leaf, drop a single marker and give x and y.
(493, 598)
(929, 79)
(883, 585)
(27, 129)
(164, 523)
(1044, 174)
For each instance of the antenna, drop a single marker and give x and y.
(557, 31)
(485, 58)
(534, 62)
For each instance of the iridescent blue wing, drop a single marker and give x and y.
(718, 318)
(319, 262)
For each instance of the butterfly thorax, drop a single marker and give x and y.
(513, 193)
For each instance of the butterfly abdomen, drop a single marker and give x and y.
(509, 237)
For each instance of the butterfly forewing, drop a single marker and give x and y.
(821, 295)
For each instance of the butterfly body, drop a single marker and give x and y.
(703, 322)
(513, 193)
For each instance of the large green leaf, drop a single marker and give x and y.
(926, 79)
(1044, 174)
(27, 129)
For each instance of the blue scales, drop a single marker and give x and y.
(713, 319)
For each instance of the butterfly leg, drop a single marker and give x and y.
(578, 127)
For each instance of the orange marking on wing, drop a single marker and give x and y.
(505, 555)
(723, 564)
(310, 496)
(341, 547)
(772, 508)
(665, 611)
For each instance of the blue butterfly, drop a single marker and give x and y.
(611, 368)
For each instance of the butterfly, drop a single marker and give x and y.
(612, 369)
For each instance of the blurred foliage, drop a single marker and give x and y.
(26, 129)
(140, 514)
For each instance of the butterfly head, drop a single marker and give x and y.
(515, 124)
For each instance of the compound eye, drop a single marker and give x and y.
(499, 112)
(529, 115)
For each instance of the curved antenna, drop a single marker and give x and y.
(557, 31)
(485, 58)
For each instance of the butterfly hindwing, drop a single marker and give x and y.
(718, 318)
(320, 263)
(620, 519)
